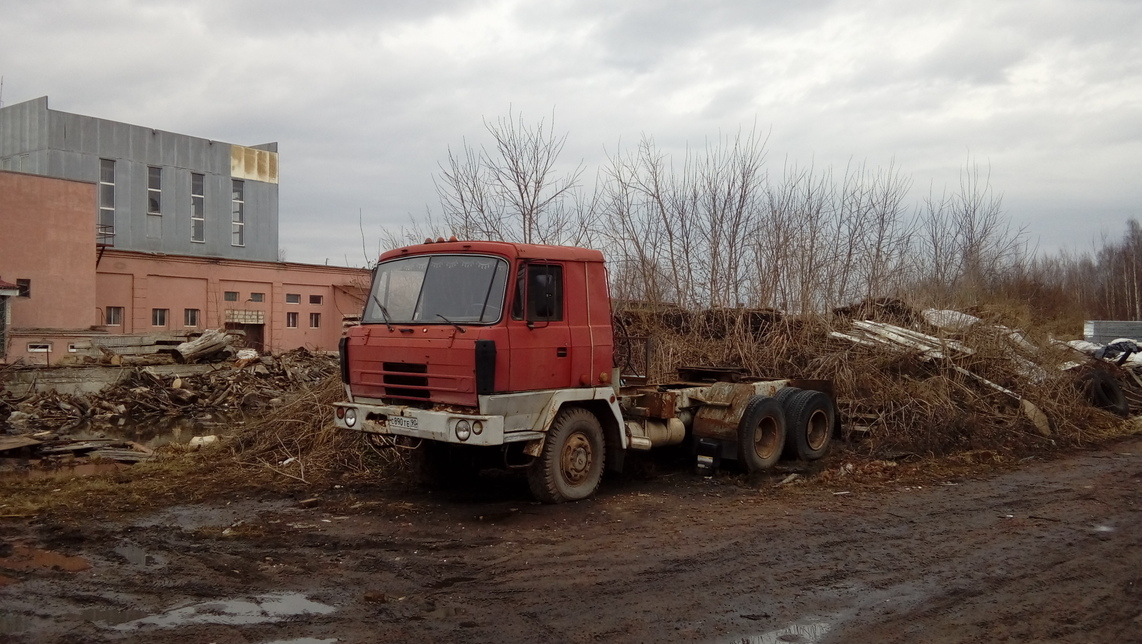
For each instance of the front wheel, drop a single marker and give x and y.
(570, 466)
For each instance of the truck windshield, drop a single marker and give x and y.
(438, 289)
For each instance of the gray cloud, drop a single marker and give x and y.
(365, 97)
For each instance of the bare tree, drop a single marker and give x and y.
(513, 191)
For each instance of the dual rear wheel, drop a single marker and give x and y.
(795, 422)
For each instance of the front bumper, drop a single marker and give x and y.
(398, 420)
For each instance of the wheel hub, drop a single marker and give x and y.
(576, 459)
(765, 439)
(817, 431)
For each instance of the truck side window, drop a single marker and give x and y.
(544, 293)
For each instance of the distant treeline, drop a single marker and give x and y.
(719, 229)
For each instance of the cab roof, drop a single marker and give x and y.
(506, 249)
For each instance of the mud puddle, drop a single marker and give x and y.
(807, 631)
(260, 609)
(35, 469)
(20, 557)
(177, 430)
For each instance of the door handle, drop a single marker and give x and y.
(561, 352)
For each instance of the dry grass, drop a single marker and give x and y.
(299, 441)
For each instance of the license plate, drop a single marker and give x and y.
(403, 422)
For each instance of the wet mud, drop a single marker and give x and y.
(1050, 551)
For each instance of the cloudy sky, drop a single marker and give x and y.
(365, 97)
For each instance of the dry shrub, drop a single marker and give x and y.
(903, 401)
(298, 440)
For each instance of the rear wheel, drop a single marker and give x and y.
(761, 433)
(811, 417)
(570, 466)
(782, 397)
(784, 394)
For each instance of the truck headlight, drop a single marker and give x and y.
(350, 417)
(463, 429)
(477, 427)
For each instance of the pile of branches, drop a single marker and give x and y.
(897, 399)
(248, 386)
(298, 440)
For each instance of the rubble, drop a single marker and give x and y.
(251, 385)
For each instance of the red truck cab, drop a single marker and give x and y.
(448, 321)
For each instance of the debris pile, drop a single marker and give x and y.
(48, 446)
(250, 385)
(299, 441)
(925, 383)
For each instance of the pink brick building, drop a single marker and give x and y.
(63, 296)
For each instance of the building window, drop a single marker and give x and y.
(238, 226)
(230, 296)
(159, 317)
(190, 317)
(154, 190)
(315, 299)
(257, 297)
(114, 316)
(197, 208)
(24, 287)
(39, 347)
(293, 298)
(291, 320)
(106, 199)
(314, 320)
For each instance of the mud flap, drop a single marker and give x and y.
(533, 448)
(708, 454)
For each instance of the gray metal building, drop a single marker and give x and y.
(158, 192)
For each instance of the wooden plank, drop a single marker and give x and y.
(78, 446)
(120, 455)
(16, 442)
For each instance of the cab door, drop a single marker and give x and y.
(538, 334)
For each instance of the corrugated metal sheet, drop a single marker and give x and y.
(1104, 331)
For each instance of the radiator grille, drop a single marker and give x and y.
(404, 380)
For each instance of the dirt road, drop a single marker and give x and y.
(1049, 551)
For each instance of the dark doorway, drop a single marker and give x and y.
(253, 335)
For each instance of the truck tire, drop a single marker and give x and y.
(570, 466)
(811, 416)
(782, 397)
(761, 433)
(784, 394)
(1104, 392)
